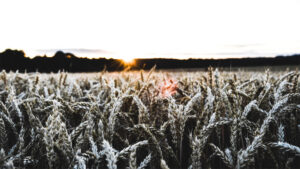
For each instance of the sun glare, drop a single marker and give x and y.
(128, 60)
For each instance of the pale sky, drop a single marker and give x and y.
(144, 29)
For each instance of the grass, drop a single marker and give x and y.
(136, 120)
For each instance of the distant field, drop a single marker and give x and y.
(236, 118)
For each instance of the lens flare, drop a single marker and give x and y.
(168, 88)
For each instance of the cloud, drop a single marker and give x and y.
(75, 51)
(234, 53)
(250, 45)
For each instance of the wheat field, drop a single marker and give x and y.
(150, 120)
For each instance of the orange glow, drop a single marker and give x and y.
(128, 60)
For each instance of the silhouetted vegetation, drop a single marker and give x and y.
(17, 60)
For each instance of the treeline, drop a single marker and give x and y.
(12, 60)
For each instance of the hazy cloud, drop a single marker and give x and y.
(221, 54)
(244, 45)
(75, 51)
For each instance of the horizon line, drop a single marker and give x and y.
(119, 56)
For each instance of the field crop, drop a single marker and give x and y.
(150, 120)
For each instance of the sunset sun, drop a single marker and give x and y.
(128, 60)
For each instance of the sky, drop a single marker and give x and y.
(157, 28)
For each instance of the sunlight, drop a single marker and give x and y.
(128, 60)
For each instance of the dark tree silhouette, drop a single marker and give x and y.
(12, 60)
